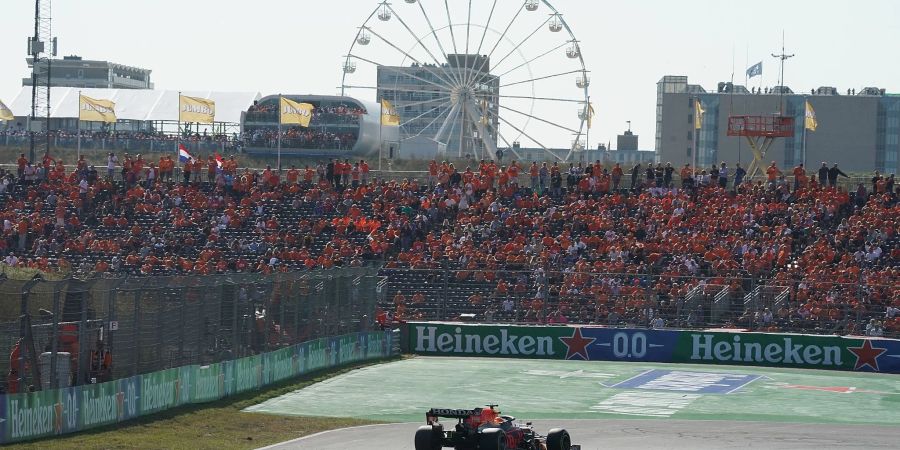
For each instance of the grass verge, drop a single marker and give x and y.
(218, 425)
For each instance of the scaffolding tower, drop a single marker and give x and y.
(41, 49)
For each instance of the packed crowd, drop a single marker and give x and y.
(304, 138)
(522, 245)
(322, 114)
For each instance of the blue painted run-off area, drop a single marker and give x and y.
(684, 381)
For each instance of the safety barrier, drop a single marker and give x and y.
(67, 410)
(649, 345)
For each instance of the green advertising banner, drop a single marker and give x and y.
(67, 410)
(34, 415)
(317, 355)
(209, 383)
(280, 365)
(100, 404)
(487, 340)
(760, 349)
(230, 378)
(378, 345)
(348, 349)
(247, 373)
(160, 391)
(300, 353)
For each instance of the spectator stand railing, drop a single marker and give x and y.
(153, 323)
(99, 145)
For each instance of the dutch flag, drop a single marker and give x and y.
(183, 154)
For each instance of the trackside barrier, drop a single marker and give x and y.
(667, 346)
(60, 411)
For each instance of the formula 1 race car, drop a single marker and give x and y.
(486, 429)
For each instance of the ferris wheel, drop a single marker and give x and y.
(475, 76)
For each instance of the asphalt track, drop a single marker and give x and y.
(610, 404)
(630, 434)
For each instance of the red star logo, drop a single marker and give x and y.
(867, 355)
(577, 345)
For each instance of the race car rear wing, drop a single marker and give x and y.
(452, 413)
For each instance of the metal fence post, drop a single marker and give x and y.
(267, 323)
(181, 330)
(111, 317)
(237, 349)
(160, 344)
(285, 294)
(54, 341)
(82, 325)
(137, 332)
(444, 293)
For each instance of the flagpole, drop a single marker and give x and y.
(178, 128)
(279, 132)
(380, 128)
(805, 114)
(78, 129)
(587, 136)
(694, 143)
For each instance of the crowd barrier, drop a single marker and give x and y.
(60, 411)
(648, 345)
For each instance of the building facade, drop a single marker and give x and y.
(73, 71)
(858, 131)
(430, 121)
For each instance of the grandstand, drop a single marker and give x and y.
(479, 243)
(339, 127)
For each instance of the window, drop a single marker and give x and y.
(688, 152)
(690, 119)
(690, 135)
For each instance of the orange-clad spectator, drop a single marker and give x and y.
(21, 163)
(800, 179)
(211, 166)
(293, 175)
(772, 173)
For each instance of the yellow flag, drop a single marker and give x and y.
(95, 110)
(196, 110)
(5, 113)
(590, 114)
(810, 122)
(295, 113)
(698, 113)
(389, 115)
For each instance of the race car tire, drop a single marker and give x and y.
(558, 439)
(427, 439)
(492, 439)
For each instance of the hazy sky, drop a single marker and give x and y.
(296, 46)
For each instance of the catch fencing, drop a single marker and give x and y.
(52, 412)
(102, 329)
(642, 301)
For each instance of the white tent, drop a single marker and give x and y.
(136, 104)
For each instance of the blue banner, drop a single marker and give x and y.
(611, 344)
(129, 398)
(5, 417)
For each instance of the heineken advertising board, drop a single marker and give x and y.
(617, 344)
(67, 410)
